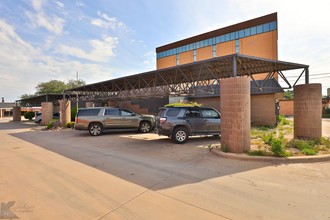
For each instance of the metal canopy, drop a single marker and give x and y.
(182, 78)
(37, 100)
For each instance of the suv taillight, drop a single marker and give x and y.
(76, 120)
(162, 120)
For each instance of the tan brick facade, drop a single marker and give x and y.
(286, 107)
(47, 112)
(263, 110)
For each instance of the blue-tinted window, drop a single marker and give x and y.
(247, 32)
(213, 40)
(273, 26)
(237, 46)
(218, 40)
(222, 38)
(227, 37)
(195, 55)
(253, 30)
(201, 43)
(206, 43)
(214, 51)
(236, 35)
(259, 29)
(232, 36)
(265, 27)
(241, 34)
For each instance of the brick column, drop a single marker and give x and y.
(235, 114)
(46, 112)
(308, 111)
(17, 113)
(65, 111)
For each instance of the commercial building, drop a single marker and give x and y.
(257, 37)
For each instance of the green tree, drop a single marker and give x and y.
(288, 94)
(71, 83)
(52, 86)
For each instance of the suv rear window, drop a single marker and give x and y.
(173, 112)
(88, 112)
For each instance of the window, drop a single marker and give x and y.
(232, 36)
(272, 25)
(209, 113)
(88, 112)
(177, 59)
(111, 112)
(222, 38)
(259, 29)
(195, 55)
(192, 113)
(173, 112)
(241, 34)
(265, 27)
(253, 30)
(217, 40)
(214, 51)
(236, 46)
(247, 32)
(125, 112)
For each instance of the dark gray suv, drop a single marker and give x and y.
(95, 120)
(178, 123)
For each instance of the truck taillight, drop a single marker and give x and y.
(162, 120)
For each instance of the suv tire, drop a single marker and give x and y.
(145, 127)
(180, 135)
(95, 129)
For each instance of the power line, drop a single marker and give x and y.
(311, 75)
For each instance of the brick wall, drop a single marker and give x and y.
(286, 107)
(263, 110)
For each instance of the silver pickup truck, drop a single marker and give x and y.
(96, 120)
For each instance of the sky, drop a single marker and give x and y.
(42, 40)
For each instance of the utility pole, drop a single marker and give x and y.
(77, 94)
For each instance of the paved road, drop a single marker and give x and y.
(71, 175)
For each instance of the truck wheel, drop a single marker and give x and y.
(145, 127)
(95, 129)
(180, 135)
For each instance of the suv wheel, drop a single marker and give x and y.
(145, 127)
(95, 129)
(180, 135)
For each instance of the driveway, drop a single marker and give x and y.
(69, 174)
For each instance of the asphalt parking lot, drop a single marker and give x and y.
(69, 174)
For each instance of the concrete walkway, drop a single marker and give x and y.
(36, 183)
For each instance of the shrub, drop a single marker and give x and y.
(70, 124)
(29, 115)
(325, 141)
(73, 113)
(307, 151)
(257, 153)
(282, 120)
(53, 124)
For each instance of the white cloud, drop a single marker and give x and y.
(38, 4)
(101, 50)
(107, 22)
(52, 24)
(22, 66)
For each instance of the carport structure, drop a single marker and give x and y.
(183, 79)
(233, 74)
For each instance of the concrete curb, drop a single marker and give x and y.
(297, 159)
